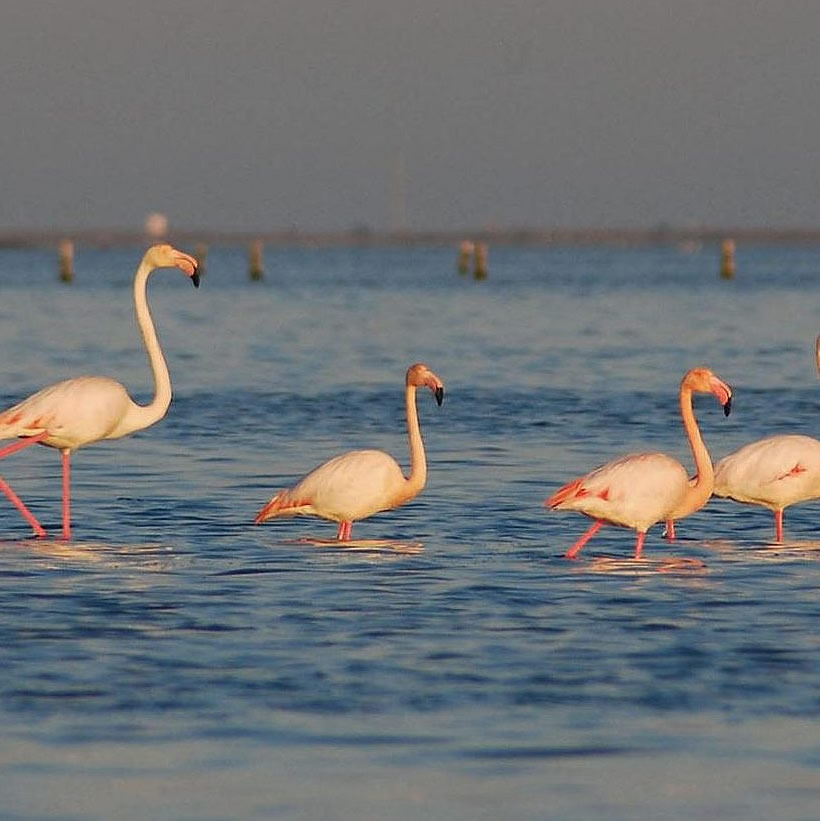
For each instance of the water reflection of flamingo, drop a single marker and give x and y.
(359, 483)
(775, 472)
(641, 489)
(80, 411)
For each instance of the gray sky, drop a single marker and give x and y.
(442, 114)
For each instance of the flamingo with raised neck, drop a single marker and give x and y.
(640, 489)
(77, 412)
(359, 483)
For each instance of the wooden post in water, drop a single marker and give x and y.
(66, 265)
(256, 264)
(480, 269)
(465, 253)
(727, 259)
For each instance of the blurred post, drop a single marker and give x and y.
(156, 226)
(481, 269)
(256, 264)
(465, 253)
(727, 259)
(66, 265)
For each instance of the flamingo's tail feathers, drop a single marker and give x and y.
(282, 504)
(573, 490)
(14, 422)
(10, 423)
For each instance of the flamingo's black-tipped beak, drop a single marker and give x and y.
(727, 408)
(195, 277)
(439, 394)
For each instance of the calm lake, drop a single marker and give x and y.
(174, 661)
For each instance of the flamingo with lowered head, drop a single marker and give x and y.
(86, 409)
(359, 483)
(641, 489)
(774, 472)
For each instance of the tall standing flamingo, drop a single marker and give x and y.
(774, 472)
(359, 483)
(77, 412)
(641, 489)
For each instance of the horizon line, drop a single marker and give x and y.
(662, 234)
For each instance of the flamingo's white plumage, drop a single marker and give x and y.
(86, 409)
(359, 483)
(640, 489)
(775, 472)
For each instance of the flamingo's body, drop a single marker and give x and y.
(72, 413)
(640, 489)
(87, 409)
(775, 472)
(357, 484)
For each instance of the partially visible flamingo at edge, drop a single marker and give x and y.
(774, 472)
(359, 483)
(76, 412)
(641, 489)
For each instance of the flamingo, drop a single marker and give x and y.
(774, 472)
(641, 489)
(86, 409)
(359, 483)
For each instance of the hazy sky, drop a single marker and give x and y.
(425, 114)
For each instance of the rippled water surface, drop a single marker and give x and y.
(174, 661)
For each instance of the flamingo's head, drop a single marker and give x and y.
(702, 380)
(166, 256)
(420, 376)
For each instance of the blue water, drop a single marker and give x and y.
(175, 662)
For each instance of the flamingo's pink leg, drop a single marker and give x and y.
(21, 444)
(18, 503)
(345, 529)
(15, 499)
(639, 544)
(778, 526)
(576, 548)
(66, 494)
(670, 530)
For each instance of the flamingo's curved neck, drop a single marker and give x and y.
(141, 416)
(817, 353)
(418, 461)
(701, 486)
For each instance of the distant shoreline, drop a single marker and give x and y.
(617, 237)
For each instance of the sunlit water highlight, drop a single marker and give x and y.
(174, 661)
